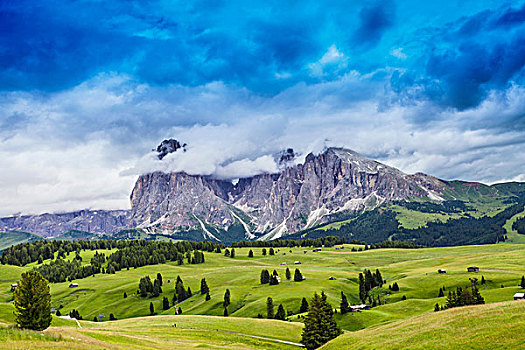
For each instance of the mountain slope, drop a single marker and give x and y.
(274, 205)
(51, 225)
(491, 326)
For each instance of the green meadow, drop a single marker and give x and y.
(202, 324)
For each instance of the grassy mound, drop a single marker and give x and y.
(491, 326)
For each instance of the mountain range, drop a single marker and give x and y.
(334, 186)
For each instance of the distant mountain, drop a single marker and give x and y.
(51, 225)
(337, 183)
(337, 192)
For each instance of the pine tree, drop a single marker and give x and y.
(225, 312)
(344, 304)
(226, 301)
(269, 308)
(441, 294)
(58, 313)
(288, 274)
(436, 307)
(250, 254)
(165, 303)
(304, 306)
(125, 295)
(264, 252)
(32, 302)
(180, 290)
(297, 277)
(188, 293)
(112, 317)
(522, 284)
(273, 280)
(395, 287)
(208, 297)
(151, 309)
(483, 280)
(378, 278)
(280, 315)
(232, 254)
(226, 252)
(265, 277)
(204, 287)
(156, 288)
(179, 311)
(272, 252)
(319, 325)
(159, 277)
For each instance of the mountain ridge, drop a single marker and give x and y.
(335, 183)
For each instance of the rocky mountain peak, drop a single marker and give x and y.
(169, 146)
(269, 206)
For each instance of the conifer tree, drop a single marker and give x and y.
(226, 252)
(225, 312)
(125, 295)
(208, 297)
(265, 277)
(304, 306)
(179, 311)
(288, 274)
(156, 288)
(264, 252)
(272, 252)
(232, 254)
(297, 277)
(280, 315)
(159, 277)
(436, 307)
(378, 278)
(441, 294)
(180, 290)
(483, 280)
(250, 254)
(32, 302)
(273, 280)
(319, 325)
(165, 303)
(344, 304)
(226, 301)
(269, 308)
(151, 309)
(204, 287)
(522, 284)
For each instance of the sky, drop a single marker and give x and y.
(89, 88)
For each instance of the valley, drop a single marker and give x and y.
(414, 270)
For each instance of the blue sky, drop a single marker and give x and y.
(87, 88)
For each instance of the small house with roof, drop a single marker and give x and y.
(442, 271)
(519, 296)
(73, 285)
(473, 269)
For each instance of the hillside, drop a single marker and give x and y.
(8, 239)
(491, 326)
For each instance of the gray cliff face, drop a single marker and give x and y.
(273, 205)
(49, 225)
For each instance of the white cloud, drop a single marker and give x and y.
(333, 62)
(398, 52)
(83, 148)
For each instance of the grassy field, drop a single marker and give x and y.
(491, 326)
(513, 235)
(203, 332)
(415, 271)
